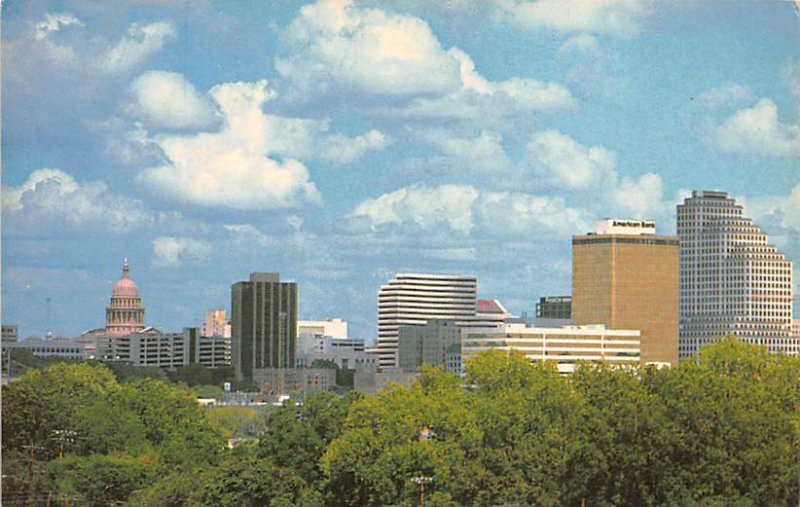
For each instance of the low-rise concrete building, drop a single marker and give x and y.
(152, 347)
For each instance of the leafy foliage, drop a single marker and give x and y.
(723, 430)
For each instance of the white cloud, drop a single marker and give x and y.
(53, 23)
(378, 52)
(791, 75)
(568, 164)
(507, 98)
(342, 150)
(167, 99)
(127, 142)
(587, 67)
(757, 130)
(642, 198)
(478, 98)
(139, 43)
(232, 167)
(169, 250)
(462, 208)
(615, 17)
(519, 213)
(785, 208)
(581, 44)
(52, 194)
(44, 42)
(483, 153)
(333, 42)
(449, 205)
(723, 96)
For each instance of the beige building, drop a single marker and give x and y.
(626, 277)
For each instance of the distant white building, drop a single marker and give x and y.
(61, 347)
(346, 353)
(412, 299)
(335, 328)
(564, 346)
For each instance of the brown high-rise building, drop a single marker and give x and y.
(263, 324)
(626, 277)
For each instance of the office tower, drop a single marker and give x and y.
(124, 314)
(732, 281)
(263, 324)
(626, 277)
(411, 299)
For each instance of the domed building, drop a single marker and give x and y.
(125, 314)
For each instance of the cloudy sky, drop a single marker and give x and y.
(340, 142)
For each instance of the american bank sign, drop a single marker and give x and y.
(620, 226)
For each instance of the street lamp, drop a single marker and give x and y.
(421, 481)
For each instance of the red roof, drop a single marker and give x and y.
(489, 306)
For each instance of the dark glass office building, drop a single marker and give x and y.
(554, 307)
(263, 324)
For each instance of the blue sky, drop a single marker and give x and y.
(341, 142)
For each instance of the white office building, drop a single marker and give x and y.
(732, 281)
(335, 328)
(564, 346)
(412, 299)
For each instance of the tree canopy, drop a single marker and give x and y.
(722, 430)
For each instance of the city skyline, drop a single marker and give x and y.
(339, 144)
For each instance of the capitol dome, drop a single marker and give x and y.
(125, 287)
(125, 314)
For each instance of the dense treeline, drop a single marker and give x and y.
(718, 432)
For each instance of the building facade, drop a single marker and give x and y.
(216, 323)
(566, 347)
(489, 312)
(335, 328)
(346, 353)
(125, 314)
(10, 334)
(427, 344)
(626, 277)
(63, 349)
(732, 281)
(151, 347)
(412, 299)
(554, 307)
(263, 324)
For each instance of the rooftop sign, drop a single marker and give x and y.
(629, 227)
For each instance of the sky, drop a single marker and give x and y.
(339, 143)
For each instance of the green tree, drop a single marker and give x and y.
(244, 479)
(44, 403)
(296, 436)
(174, 422)
(98, 480)
(237, 421)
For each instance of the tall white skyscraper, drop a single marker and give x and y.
(732, 281)
(413, 298)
